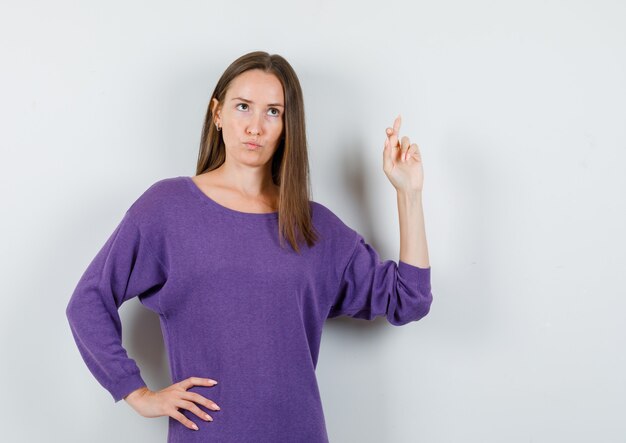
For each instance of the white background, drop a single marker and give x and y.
(519, 112)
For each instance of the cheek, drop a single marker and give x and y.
(278, 128)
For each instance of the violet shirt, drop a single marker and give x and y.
(235, 307)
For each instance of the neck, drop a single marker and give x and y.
(249, 181)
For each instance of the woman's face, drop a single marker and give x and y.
(252, 111)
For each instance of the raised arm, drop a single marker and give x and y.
(400, 291)
(402, 163)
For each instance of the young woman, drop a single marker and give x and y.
(243, 269)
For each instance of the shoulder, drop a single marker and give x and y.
(323, 214)
(158, 200)
(326, 216)
(332, 227)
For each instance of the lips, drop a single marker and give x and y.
(252, 144)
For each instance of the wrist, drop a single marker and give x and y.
(409, 196)
(136, 393)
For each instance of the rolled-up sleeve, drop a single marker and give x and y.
(125, 267)
(370, 287)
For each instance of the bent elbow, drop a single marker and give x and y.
(69, 310)
(76, 309)
(412, 308)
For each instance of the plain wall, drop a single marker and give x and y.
(519, 112)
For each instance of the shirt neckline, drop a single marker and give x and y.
(233, 212)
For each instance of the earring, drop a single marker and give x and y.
(217, 127)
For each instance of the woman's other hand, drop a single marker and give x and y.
(167, 401)
(402, 161)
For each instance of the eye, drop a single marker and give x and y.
(273, 115)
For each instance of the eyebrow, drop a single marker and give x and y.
(250, 101)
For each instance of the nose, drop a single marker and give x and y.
(254, 128)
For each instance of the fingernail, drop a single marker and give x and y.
(217, 407)
(208, 417)
(194, 426)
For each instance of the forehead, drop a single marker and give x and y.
(258, 86)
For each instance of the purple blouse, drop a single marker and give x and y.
(235, 307)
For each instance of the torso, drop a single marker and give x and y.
(229, 198)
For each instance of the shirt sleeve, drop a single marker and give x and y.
(125, 267)
(370, 288)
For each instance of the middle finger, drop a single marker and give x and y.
(192, 407)
(194, 396)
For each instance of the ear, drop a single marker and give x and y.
(214, 105)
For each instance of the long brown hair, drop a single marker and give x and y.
(290, 163)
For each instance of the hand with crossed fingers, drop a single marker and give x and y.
(402, 161)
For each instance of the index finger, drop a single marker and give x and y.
(197, 381)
